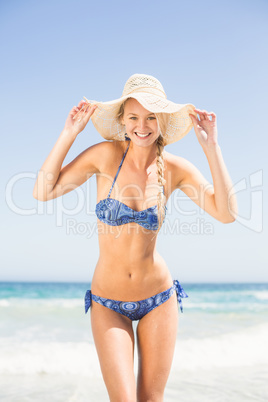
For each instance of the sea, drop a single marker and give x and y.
(47, 352)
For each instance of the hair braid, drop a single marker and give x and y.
(161, 198)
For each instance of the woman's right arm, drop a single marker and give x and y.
(54, 181)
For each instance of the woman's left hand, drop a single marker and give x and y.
(205, 129)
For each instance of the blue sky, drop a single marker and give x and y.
(212, 54)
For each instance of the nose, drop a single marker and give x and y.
(142, 124)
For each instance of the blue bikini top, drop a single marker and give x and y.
(116, 213)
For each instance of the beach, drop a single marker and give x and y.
(47, 350)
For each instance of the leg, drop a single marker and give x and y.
(156, 336)
(114, 340)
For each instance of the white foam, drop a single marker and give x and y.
(258, 294)
(229, 306)
(241, 348)
(236, 349)
(205, 306)
(55, 302)
(49, 358)
(261, 295)
(4, 303)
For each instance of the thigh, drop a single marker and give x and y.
(156, 336)
(114, 340)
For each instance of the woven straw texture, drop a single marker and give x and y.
(173, 118)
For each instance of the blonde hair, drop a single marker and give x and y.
(160, 143)
(120, 113)
(161, 198)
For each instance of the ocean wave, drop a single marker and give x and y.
(226, 306)
(49, 358)
(57, 302)
(4, 303)
(234, 349)
(259, 294)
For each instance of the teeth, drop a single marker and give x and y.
(142, 135)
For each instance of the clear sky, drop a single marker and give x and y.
(211, 53)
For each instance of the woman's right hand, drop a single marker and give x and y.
(79, 117)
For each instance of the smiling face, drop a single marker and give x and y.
(141, 125)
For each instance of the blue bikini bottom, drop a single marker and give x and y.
(137, 309)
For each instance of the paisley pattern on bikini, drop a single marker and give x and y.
(115, 213)
(135, 310)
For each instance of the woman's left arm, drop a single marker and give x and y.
(224, 199)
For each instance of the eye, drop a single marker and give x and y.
(151, 118)
(133, 118)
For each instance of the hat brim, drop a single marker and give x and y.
(173, 118)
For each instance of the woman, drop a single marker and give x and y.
(131, 280)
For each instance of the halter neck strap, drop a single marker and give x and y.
(118, 170)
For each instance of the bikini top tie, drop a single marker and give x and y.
(116, 213)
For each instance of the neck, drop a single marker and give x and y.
(142, 157)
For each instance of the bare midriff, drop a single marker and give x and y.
(129, 268)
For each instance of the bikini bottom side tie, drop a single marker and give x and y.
(180, 293)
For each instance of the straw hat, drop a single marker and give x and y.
(173, 118)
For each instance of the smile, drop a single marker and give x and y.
(142, 135)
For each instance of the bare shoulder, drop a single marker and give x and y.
(178, 168)
(96, 157)
(174, 160)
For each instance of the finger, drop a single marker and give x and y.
(87, 113)
(77, 112)
(212, 116)
(94, 107)
(194, 119)
(85, 104)
(198, 111)
(90, 110)
(205, 115)
(199, 114)
(81, 103)
(204, 112)
(80, 108)
(74, 111)
(83, 107)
